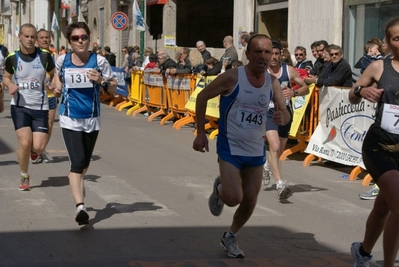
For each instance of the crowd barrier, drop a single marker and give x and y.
(340, 130)
(212, 109)
(133, 100)
(175, 97)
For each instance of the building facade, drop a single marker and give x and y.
(180, 23)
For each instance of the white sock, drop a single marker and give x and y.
(229, 233)
(219, 187)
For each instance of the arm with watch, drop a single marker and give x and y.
(366, 86)
(109, 85)
(370, 93)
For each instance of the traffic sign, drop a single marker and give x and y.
(119, 21)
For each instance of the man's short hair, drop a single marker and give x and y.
(254, 37)
(335, 47)
(300, 48)
(277, 44)
(164, 56)
(322, 42)
(106, 48)
(245, 36)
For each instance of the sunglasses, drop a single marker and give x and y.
(298, 55)
(124, 51)
(334, 54)
(75, 38)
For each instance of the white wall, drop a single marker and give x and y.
(313, 20)
(243, 21)
(42, 17)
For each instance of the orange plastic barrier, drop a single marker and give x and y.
(153, 96)
(178, 90)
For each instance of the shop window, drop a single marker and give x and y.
(369, 21)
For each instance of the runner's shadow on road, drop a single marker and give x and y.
(169, 246)
(5, 148)
(58, 159)
(59, 181)
(8, 162)
(116, 208)
(297, 188)
(54, 181)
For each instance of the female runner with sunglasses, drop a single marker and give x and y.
(80, 74)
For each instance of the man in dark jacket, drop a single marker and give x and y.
(165, 62)
(302, 61)
(337, 72)
(110, 56)
(319, 65)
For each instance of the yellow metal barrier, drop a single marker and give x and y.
(310, 121)
(133, 101)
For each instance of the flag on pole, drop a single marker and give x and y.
(54, 23)
(138, 19)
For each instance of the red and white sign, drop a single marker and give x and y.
(119, 21)
(156, 2)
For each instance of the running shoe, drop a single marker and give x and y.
(214, 202)
(266, 174)
(81, 215)
(360, 261)
(229, 245)
(45, 157)
(35, 158)
(371, 194)
(283, 190)
(24, 183)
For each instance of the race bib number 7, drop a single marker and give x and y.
(77, 78)
(390, 118)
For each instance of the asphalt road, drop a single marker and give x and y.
(147, 192)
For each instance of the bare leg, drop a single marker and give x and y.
(389, 187)
(230, 191)
(240, 187)
(76, 184)
(24, 136)
(39, 142)
(251, 184)
(51, 117)
(375, 223)
(274, 152)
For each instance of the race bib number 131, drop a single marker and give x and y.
(77, 78)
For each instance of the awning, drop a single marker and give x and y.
(156, 2)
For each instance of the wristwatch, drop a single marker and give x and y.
(104, 83)
(296, 93)
(357, 90)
